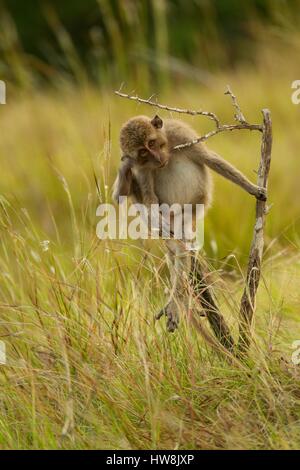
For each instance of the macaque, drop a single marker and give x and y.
(152, 172)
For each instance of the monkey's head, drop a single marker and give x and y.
(144, 141)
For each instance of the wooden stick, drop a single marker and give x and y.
(239, 117)
(248, 302)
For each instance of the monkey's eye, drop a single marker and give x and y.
(143, 153)
(151, 143)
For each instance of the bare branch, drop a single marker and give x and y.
(254, 265)
(222, 128)
(239, 117)
(191, 112)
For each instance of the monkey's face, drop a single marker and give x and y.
(144, 141)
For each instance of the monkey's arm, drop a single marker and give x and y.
(145, 181)
(221, 166)
(123, 183)
(139, 187)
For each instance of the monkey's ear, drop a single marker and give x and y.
(157, 122)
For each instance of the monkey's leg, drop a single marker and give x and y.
(179, 262)
(166, 310)
(204, 293)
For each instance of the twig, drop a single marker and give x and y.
(239, 117)
(248, 301)
(170, 108)
(221, 128)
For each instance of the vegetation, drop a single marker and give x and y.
(87, 366)
(147, 42)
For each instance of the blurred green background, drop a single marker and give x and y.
(63, 60)
(145, 41)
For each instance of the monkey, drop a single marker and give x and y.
(152, 172)
(166, 175)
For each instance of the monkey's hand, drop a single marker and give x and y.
(261, 194)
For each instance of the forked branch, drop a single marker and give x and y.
(219, 127)
(255, 258)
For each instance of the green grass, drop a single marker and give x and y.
(77, 313)
(82, 345)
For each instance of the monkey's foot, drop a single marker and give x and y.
(172, 322)
(170, 311)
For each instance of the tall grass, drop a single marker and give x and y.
(87, 367)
